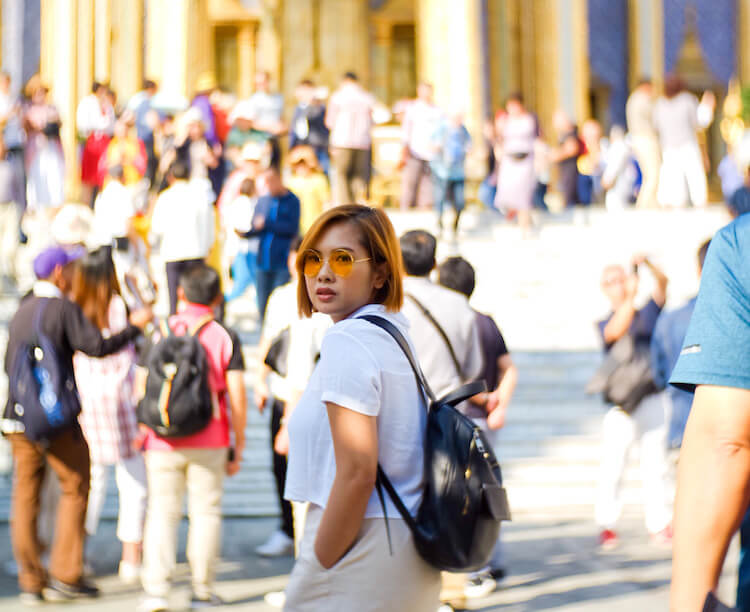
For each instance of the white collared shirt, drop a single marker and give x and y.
(361, 368)
(45, 289)
(184, 220)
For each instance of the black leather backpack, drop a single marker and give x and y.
(177, 402)
(458, 521)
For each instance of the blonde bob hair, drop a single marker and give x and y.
(376, 235)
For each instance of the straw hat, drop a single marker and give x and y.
(305, 154)
(206, 81)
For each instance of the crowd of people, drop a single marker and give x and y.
(207, 186)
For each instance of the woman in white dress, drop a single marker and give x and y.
(361, 407)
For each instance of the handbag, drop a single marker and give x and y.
(624, 378)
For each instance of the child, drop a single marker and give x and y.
(452, 143)
(309, 184)
(243, 251)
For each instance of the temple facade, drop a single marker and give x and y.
(579, 55)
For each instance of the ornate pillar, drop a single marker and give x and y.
(61, 75)
(571, 58)
(381, 60)
(657, 45)
(246, 59)
(127, 47)
(456, 70)
(102, 40)
(344, 39)
(21, 40)
(85, 46)
(743, 43)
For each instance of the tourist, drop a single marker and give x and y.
(516, 182)
(68, 330)
(196, 463)
(243, 252)
(183, 226)
(666, 344)
(645, 421)
(194, 148)
(107, 415)
(421, 120)
(639, 111)
(146, 121)
(308, 126)
(45, 163)
(677, 117)
(204, 87)
(349, 117)
(714, 465)
(451, 142)
(565, 155)
(309, 184)
(11, 200)
(125, 149)
(14, 138)
(489, 409)
(276, 223)
(620, 173)
(95, 122)
(252, 162)
(590, 163)
(262, 113)
(362, 407)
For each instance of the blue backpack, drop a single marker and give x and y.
(42, 396)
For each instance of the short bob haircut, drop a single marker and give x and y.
(376, 235)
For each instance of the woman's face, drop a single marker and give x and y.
(339, 296)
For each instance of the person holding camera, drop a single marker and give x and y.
(641, 420)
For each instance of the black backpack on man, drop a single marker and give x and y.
(458, 521)
(178, 400)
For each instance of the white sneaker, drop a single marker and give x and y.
(129, 572)
(479, 586)
(278, 545)
(275, 599)
(153, 604)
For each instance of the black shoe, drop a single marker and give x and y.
(497, 573)
(60, 591)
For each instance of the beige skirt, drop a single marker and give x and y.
(368, 577)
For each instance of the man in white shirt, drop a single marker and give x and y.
(442, 324)
(183, 221)
(421, 120)
(349, 117)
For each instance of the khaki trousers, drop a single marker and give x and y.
(368, 578)
(349, 174)
(648, 155)
(68, 456)
(200, 472)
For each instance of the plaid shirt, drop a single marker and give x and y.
(107, 396)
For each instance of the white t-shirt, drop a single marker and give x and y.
(113, 209)
(363, 369)
(238, 215)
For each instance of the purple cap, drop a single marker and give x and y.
(51, 257)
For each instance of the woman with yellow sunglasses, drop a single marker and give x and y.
(362, 406)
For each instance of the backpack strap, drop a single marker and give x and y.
(440, 330)
(198, 326)
(38, 314)
(463, 393)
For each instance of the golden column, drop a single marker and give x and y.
(102, 40)
(85, 46)
(456, 70)
(246, 59)
(179, 44)
(657, 45)
(381, 60)
(59, 28)
(127, 47)
(344, 39)
(743, 43)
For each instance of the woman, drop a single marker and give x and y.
(98, 127)
(125, 150)
(516, 183)
(565, 155)
(309, 184)
(45, 164)
(108, 410)
(677, 117)
(362, 407)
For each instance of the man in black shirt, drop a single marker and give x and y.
(68, 330)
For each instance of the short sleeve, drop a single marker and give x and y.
(236, 360)
(716, 350)
(500, 347)
(348, 374)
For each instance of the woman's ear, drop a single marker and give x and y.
(380, 276)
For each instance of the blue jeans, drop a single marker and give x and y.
(244, 269)
(448, 189)
(266, 281)
(486, 194)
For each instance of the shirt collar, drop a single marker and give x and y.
(44, 288)
(379, 309)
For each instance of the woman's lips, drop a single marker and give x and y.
(325, 295)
